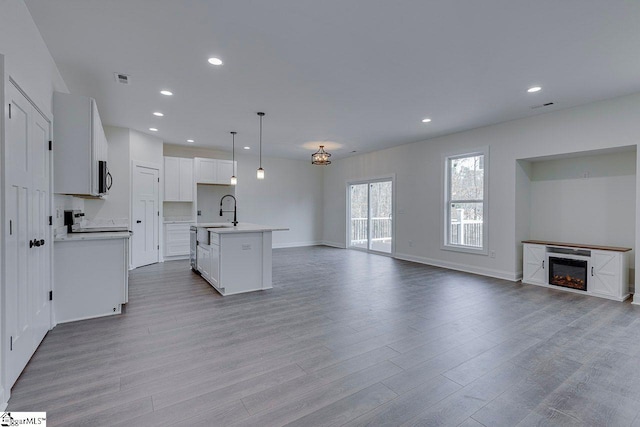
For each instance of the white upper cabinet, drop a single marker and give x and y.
(79, 143)
(178, 179)
(214, 171)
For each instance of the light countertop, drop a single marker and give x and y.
(93, 236)
(242, 227)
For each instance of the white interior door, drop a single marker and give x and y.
(146, 216)
(28, 236)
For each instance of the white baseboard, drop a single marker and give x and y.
(498, 274)
(636, 299)
(333, 244)
(175, 258)
(295, 245)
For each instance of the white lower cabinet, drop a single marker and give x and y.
(204, 261)
(214, 272)
(176, 240)
(533, 264)
(608, 273)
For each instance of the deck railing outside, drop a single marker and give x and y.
(380, 230)
(466, 233)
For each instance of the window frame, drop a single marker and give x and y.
(446, 200)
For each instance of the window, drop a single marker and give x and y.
(466, 202)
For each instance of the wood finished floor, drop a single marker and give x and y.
(344, 338)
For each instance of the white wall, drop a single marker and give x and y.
(291, 194)
(599, 209)
(419, 184)
(26, 59)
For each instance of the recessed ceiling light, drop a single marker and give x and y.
(426, 120)
(190, 140)
(247, 148)
(159, 114)
(153, 129)
(166, 92)
(215, 61)
(534, 89)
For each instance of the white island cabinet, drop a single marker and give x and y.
(236, 259)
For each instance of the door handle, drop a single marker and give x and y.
(138, 222)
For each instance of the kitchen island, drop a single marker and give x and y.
(235, 259)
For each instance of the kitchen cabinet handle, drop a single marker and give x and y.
(138, 222)
(592, 270)
(543, 264)
(31, 243)
(42, 242)
(36, 242)
(109, 180)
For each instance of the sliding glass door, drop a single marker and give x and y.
(370, 215)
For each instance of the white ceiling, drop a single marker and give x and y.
(359, 73)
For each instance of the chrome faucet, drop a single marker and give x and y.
(235, 204)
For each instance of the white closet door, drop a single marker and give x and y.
(28, 244)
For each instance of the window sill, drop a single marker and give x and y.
(465, 249)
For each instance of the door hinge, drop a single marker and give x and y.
(50, 220)
(11, 345)
(50, 295)
(158, 246)
(158, 179)
(50, 146)
(9, 110)
(158, 213)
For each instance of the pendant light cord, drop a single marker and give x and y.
(261, 139)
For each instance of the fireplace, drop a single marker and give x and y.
(568, 272)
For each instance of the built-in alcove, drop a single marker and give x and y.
(583, 197)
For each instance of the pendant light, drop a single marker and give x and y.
(234, 180)
(320, 157)
(260, 173)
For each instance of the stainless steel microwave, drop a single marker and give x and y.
(105, 180)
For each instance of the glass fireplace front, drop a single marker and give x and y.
(568, 272)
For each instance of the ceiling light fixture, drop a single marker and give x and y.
(534, 89)
(320, 157)
(260, 172)
(153, 129)
(427, 120)
(247, 148)
(190, 140)
(215, 61)
(166, 92)
(159, 114)
(234, 180)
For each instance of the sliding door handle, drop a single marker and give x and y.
(138, 222)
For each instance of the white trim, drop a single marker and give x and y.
(444, 208)
(295, 244)
(636, 299)
(333, 244)
(3, 400)
(498, 274)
